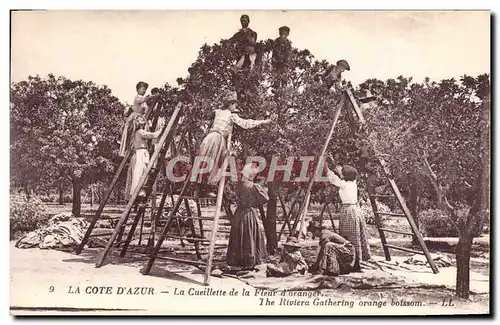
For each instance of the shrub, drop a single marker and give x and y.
(434, 223)
(25, 214)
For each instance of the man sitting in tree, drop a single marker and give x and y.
(245, 40)
(331, 79)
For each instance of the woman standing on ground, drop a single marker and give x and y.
(352, 225)
(247, 240)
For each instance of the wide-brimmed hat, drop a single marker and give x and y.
(292, 242)
(344, 64)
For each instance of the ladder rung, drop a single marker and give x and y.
(181, 260)
(219, 231)
(404, 249)
(199, 198)
(194, 218)
(382, 195)
(101, 235)
(197, 218)
(189, 238)
(397, 232)
(391, 214)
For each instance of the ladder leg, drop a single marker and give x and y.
(164, 231)
(288, 216)
(193, 231)
(285, 223)
(177, 219)
(131, 232)
(211, 247)
(331, 218)
(141, 228)
(285, 216)
(200, 222)
(413, 226)
(120, 233)
(158, 213)
(378, 222)
(103, 202)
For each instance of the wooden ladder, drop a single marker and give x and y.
(196, 240)
(146, 183)
(121, 168)
(396, 194)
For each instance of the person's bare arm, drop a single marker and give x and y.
(248, 123)
(336, 238)
(252, 39)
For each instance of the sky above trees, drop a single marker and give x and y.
(119, 48)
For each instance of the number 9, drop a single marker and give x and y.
(51, 289)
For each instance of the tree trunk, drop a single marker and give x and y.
(270, 222)
(91, 196)
(61, 193)
(77, 197)
(245, 149)
(413, 202)
(463, 249)
(477, 212)
(27, 190)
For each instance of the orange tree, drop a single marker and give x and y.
(303, 108)
(439, 132)
(63, 131)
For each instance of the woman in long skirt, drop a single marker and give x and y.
(352, 224)
(247, 239)
(214, 146)
(140, 158)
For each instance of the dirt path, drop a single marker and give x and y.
(48, 280)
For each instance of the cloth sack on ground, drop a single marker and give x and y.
(62, 231)
(439, 259)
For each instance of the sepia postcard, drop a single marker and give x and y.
(250, 162)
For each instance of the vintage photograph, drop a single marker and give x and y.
(250, 162)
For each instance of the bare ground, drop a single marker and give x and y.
(35, 273)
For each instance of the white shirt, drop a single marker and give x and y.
(348, 191)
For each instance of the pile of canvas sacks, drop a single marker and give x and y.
(61, 232)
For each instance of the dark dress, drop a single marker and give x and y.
(334, 258)
(247, 240)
